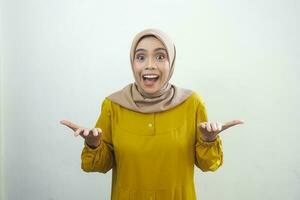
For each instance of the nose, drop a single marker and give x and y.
(150, 68)
(150, 64)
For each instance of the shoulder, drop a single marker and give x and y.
(196, 99)
(106, 105)
(110, 106)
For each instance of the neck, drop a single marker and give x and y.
(156, 94)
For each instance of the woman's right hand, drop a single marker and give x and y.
(91, 136)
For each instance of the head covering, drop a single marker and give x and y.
(133, 97)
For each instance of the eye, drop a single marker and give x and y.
(160, 57)
(140, 57)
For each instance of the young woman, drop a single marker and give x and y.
(151, 133)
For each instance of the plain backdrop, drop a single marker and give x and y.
(61, 58)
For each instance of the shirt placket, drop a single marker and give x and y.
(151, 124)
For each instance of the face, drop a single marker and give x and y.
(151, 65)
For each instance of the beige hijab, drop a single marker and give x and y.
(133, 97)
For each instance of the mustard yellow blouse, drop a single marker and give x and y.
(152, 156)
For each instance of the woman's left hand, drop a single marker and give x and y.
(210, 130)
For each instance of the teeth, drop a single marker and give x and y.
(150, 76)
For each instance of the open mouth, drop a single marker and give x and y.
(150, 79)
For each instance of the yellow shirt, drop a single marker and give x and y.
(152, 156)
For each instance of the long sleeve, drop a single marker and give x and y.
(209, 155)
(100, 159)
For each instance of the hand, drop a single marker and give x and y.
(91, 136)
(210, 130)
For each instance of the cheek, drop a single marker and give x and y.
(137, 68)
(165, 70)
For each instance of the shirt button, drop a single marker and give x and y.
(150, 125)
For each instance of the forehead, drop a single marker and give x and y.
(149, 43)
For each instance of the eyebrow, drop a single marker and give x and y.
(157, 49)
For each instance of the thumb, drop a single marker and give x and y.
(69, 124)
(231, 123)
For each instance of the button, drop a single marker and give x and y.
(150, 195)
(150, 125)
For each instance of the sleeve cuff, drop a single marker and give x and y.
(92, 149)
(203, 143)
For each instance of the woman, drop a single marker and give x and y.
(152, 133)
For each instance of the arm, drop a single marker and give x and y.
(101, 158)
(209, 155)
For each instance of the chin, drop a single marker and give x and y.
(150, 90)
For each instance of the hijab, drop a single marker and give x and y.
(134, 98)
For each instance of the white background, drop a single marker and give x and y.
(61, 58)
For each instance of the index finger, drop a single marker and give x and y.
(69, 124)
